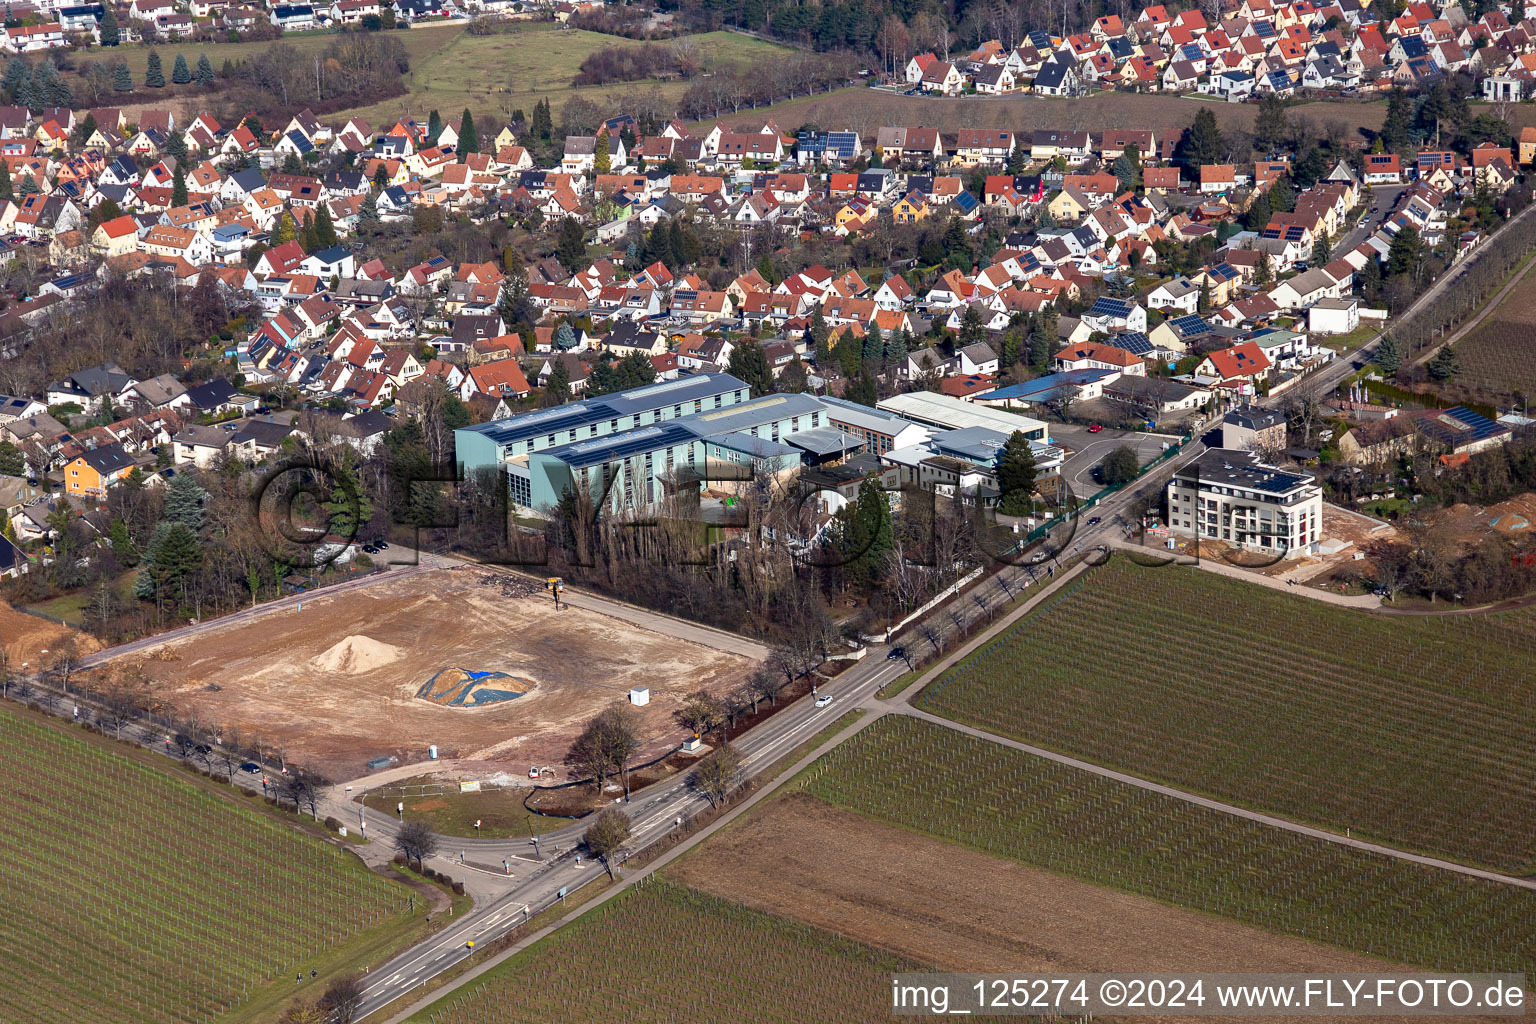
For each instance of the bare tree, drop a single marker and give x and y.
(343, 998)
(701, 712)
(718, 775)
(301, 785)
(416, 840)
(605, 746)
(126, 696)
(608, 832)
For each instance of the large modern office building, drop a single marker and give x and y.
(629, 449)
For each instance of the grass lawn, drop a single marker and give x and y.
(1416, 731)
(1351, 341)
(500, 811)
(146, 871)
(495, 75)
(1011, 804)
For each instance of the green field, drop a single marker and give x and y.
(1005, 802)
(663, 952)
(135, 896)
(495, 75)
(1417, 731)
(500, 812)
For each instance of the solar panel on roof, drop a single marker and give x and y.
(1134, 342)
(1191, 324)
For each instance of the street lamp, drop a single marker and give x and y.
(400, 809)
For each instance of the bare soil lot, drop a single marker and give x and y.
(335, 683)
(960, 910)
(32, 642)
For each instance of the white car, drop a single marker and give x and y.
(823, 701)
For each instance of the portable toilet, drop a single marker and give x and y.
(432, 752)
(640, 696)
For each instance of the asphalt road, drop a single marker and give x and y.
(660, 809)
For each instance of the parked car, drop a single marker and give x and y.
(1094, 428)
(824, 700)
(251, 768)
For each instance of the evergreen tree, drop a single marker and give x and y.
(1282, 198)
(185, 501)
(543, 124)
(29, 185)
(173, 558)
(6, 191)
(749, 365)
(601, 162)
(1018, 156)
(181, 74)
(823, 354)
(176, 146)
(862, 532)
(1203, 145)
(108, 24)
(204, 75)
(469, 138)
(369, 212)
(1321, 250)
(17, 71)
(565, 338)
(1397, 127)
(1259, 212)
(154, 74)
(571, 247)
(1264, 273)
(122, 78)
(1388, 358)
(874, 345)
(434, 127)
(896, 346)
(1270, 130)
(1016, 476)
(1444, 365)
(558, 390)
(1128, 168)
(678, 249)
(972, 327)
(1203, 304)
(863, 390)
(325, 227)
(179, 187)
(765, 270)
(1406, 251)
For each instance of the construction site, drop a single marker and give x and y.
(484, 667)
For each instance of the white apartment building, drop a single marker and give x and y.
(1230, 496)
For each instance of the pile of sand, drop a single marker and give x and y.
(356, 654)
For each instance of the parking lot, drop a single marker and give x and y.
(1086, 450)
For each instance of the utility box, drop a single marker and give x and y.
(640, 696)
